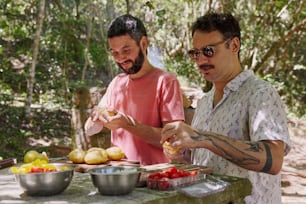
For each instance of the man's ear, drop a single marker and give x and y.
(144, 43)
(235, 44)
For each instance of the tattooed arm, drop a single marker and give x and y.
(265, 156)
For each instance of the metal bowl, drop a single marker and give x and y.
(115, 180)
(48, 183)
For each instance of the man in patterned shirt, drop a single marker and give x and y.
(239, 127)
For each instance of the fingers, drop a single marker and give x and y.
(103, 114)
(167, 132)
(92, 128)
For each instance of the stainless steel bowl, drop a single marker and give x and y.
(46, 184)
(115, 180)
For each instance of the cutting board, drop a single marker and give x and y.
(146, 169)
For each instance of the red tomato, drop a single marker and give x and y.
(185, 173)
(156, 175)
(194, 173)
(152, 183)
(163, 184)
(172, 170)
(36, 170)
(165, 175)
(175, 175)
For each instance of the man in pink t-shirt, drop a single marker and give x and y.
(143, 98)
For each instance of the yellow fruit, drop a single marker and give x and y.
(115, 153)
(170, 149)
(107, 112)
(96, 157)
(30, 156)
(77, 156)
(14, 169)
(43, 156)
(95, 149)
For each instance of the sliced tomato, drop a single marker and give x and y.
(36, 170)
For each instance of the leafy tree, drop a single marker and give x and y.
(73, 49)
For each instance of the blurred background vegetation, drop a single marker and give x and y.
(49, 48)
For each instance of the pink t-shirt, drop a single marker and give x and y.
(154, 98)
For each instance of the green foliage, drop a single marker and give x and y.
(73, 49)
(18, 136)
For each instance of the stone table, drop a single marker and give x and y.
(81, 190)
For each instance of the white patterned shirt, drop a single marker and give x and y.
(250, 110)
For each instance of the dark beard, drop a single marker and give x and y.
(137, 64)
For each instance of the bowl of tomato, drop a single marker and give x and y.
(171, 178)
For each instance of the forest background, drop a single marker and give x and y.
(50, 48)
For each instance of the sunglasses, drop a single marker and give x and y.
(208, 51)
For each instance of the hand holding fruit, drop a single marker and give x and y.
(103, 113)
(95, 122)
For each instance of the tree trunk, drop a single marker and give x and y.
(88, 37)
(31, 76)
(84, 99)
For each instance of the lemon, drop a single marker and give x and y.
(30, 156)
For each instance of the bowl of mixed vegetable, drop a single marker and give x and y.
(40, 178)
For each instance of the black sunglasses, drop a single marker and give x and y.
(208, 51)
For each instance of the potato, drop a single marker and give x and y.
(77, 156)
(115, 153)
(96, 157)
(95, 149)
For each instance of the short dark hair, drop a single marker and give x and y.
(127, 24)
(225, 23)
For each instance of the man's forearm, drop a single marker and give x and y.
(150, 134)
(255, 156)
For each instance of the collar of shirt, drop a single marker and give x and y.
(232, 86)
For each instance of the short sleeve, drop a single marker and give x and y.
(268, 119)
(171, 106)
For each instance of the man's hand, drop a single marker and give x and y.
(92, 127)
(93, 124)
(178, 134)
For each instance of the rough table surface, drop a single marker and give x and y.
(81, 190)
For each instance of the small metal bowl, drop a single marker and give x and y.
(47, 183)
(115, 180)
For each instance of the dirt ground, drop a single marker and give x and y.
(294, 167)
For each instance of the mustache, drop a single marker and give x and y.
(206, 66)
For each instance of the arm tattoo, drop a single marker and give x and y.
(229, 151)
(268, 163)
(254, 147)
